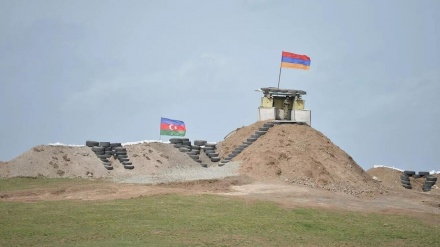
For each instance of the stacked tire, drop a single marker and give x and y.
(429, 182)
(120, 153)
(102, 151)
(210, 150)
(184, 145)
(404, 179)
(105, 150)
(261, 131)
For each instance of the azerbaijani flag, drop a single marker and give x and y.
(170, 127)
(295, 61)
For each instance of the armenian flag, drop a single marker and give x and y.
(295, 61)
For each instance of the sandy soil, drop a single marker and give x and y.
(293, 165)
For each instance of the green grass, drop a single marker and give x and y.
(25, 183)
(203, 220)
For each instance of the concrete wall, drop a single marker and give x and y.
(302, 116)
(266, 113)
(278, 114)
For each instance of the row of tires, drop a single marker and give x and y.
(427, 185)
(194, 150)
(261, 131)
(105, 150)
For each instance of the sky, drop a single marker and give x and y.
(72, 71)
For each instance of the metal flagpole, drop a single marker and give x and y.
(279, 76)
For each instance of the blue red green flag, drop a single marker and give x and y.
(171, 127)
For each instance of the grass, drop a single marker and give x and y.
(27, 183)
(202, 220)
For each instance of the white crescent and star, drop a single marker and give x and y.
(171, 127)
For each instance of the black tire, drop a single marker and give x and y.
(187, 143)
(404, 177)
(200, 142)
(198, 161)
(213, 145)
(107, 155)
(104, 160)
(194, 156)
(236, 152)
(196, 147)
(122, 156)
(423, 173)
(209, 151)
(99, 153)
(116, 144)
(406, 186)
(129, 167)
(221, 164)
(213, 155)
(429, 183)
(97, 149)
(417, 176)
(204, 165)
(102, 156)
(175, 140)
(269, 125)
(426, 189)
(109, 152)
(409, 173)
(184, 149)
(108, 167)
(251, 140)
(106, 163)
(127, 163)
(192, 152)
(92, 143)
(239, 148)
(120, 149)
(121, 153)
(263, 129)
(123, 159)
(215, 159)
(184, 139)
(208, 148)
(260, 133)
(225, 161)
(431, 178)
(178, 145)
(104, 144)
(405, 181)
(247, 143)
(231, 156)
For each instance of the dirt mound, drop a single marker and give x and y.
(299, 154)
(64, 161)
(233, 140)
(391, 178)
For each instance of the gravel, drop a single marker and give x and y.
(183, 173)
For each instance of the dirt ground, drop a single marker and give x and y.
(243, 187)
(292, 165)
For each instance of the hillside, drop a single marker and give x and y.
(299, 154)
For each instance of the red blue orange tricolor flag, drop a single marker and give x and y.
(171, 127)
(295, 61)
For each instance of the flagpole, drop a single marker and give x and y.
(279, 76)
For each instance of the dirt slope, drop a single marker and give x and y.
(63, 161)
(391, 179)
(299, 154)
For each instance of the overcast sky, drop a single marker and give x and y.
(72, 71)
